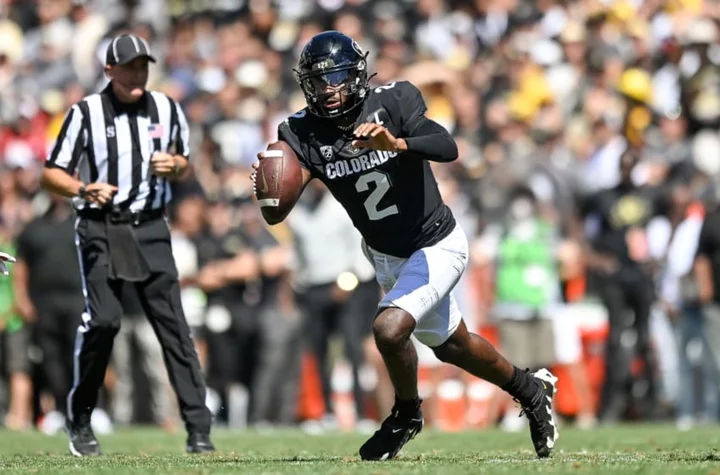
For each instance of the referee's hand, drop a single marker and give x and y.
(100, 193)
(163, 164)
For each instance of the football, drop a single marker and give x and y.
(279, 181)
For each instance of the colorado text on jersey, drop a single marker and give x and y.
(359, 164)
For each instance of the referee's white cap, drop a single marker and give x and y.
(125, 48)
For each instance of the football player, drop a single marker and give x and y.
(371, 147)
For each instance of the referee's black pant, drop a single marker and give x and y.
(160, 298)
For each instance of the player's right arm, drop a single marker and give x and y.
(285, 134)
(269, 219)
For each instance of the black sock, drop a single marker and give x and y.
(407, 407)
(522, 387)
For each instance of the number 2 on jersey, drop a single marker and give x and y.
(380, 89)
(382, 186)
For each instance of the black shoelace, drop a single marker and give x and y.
(530, 409)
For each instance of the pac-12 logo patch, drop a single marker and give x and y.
(327, 152)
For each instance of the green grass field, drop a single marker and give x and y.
(651, 449)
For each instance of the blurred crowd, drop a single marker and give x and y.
(586, 183)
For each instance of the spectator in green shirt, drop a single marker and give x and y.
(15, 339)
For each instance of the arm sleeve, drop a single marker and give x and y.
(432, 142)
(425, 138)
(70, 143)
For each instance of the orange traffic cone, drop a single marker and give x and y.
(310, 398)
(450, 406)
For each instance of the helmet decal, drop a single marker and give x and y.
(357, 48)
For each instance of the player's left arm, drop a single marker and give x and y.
(431, 141)
(419, 135)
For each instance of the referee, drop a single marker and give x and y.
(124, 144)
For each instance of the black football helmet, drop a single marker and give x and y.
(332, 59)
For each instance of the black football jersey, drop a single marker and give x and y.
(392, 198)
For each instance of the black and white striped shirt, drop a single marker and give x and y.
(106, 141)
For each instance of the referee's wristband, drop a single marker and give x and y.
(82, 192)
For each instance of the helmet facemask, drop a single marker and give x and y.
(348, 79)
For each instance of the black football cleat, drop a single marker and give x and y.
(543, 430)
(199, 443)
(396, 431)
(82, 439)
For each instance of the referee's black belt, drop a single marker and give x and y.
(121, 216)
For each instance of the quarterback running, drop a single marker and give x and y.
(371, 147)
